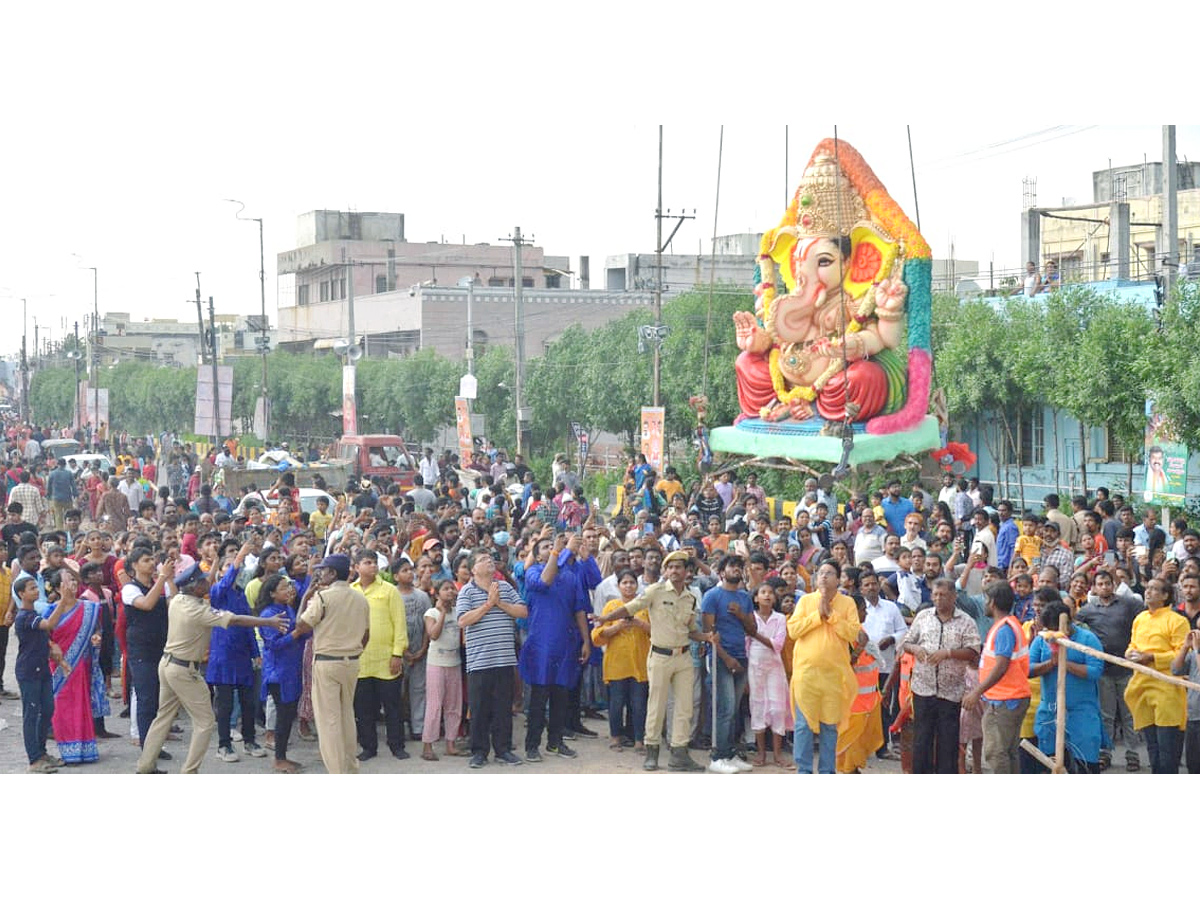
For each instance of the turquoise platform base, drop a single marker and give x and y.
(802, 441)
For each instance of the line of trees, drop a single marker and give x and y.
(599, 378)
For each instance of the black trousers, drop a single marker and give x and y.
(285, 715)
(369, 695)
(557, 696)
(143, 670)
(935, 735)
(3, 651)
(224, 710)
(1191, 747)
(490, 693)
(888, 711)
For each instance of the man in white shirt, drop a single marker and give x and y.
(949, 491)
(225, 459)
(885, 626)
(868, 543)
(983, 536)
(131, 490)
(889, 561)
(607, 589)
(430, 472)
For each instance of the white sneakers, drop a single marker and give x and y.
(723, 767)
(740, 764)
(227, 754)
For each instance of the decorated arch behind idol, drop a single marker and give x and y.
(835, 359)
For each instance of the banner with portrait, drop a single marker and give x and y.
(1166, 462)
(462, 420)
(652, 436)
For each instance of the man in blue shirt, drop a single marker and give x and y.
(896, 507)
(1006, 539)
(60, 491)
(1141, 534)
(727, 609)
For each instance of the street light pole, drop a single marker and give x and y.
(95, 352)
(262, 284)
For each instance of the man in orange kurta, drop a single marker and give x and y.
(823, 625)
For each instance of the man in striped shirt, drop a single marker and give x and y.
(33, 504)
(487, 608)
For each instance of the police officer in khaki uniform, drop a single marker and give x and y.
(190, 621)
(339, 618)
(672, 611)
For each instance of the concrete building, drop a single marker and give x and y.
(171, 342)
(401, 322)
(384, 261)
(1119, 234)
(736, 256)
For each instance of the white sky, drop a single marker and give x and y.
(130, 129)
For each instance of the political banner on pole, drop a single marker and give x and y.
(349, 403)
(652, 436)
(462, 419)
(1166, 462)
(214, 418)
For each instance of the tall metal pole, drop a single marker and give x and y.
(216, 407)
(78, 355)
(350, 360)
(470, 329)
(95, 375)
(519, 332)
(1170, 214)
(263, 348)
(200, 321)
(24, 363)
(658, 275)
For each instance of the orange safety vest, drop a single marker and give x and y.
(1014, 685)
(866, 671)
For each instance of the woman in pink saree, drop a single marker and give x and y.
(79, 697)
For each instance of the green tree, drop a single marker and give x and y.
(52, 395)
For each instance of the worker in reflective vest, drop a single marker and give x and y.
(862, 734)
(1003, 681)
(901, 727)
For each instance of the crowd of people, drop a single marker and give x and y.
(894, 625)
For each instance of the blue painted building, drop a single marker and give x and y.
(1053, 448)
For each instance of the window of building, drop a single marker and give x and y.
(553, 281)
(381, 284)
(1029, 433)
(1117, 453)
(302, 295)
(340, 287)
(526, 281)
(324, 291)
(494, 281)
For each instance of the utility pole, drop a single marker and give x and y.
(263, 347)
(659, 332)
(349, 369)
(76, 354)
(216, 407)
(95, 376)
(470, 328)
(200, 320)
(518, 333)
(1170, 227)
(24, 364)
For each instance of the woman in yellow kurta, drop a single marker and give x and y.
(863, 733)
(1159, 709)
(823, 625)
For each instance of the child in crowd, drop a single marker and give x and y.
(1029, 544)
(1022, 587)
(443, 675)
(769, 704)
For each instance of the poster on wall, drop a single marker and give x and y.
(1166, 462)
(652, 436)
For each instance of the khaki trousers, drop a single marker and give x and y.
(1002, 737)
(333, 684)
(669, 675)
(180, 686)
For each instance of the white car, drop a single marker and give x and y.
(92, 459)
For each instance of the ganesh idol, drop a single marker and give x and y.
(826, 337)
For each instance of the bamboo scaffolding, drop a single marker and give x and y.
(1057, 764)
